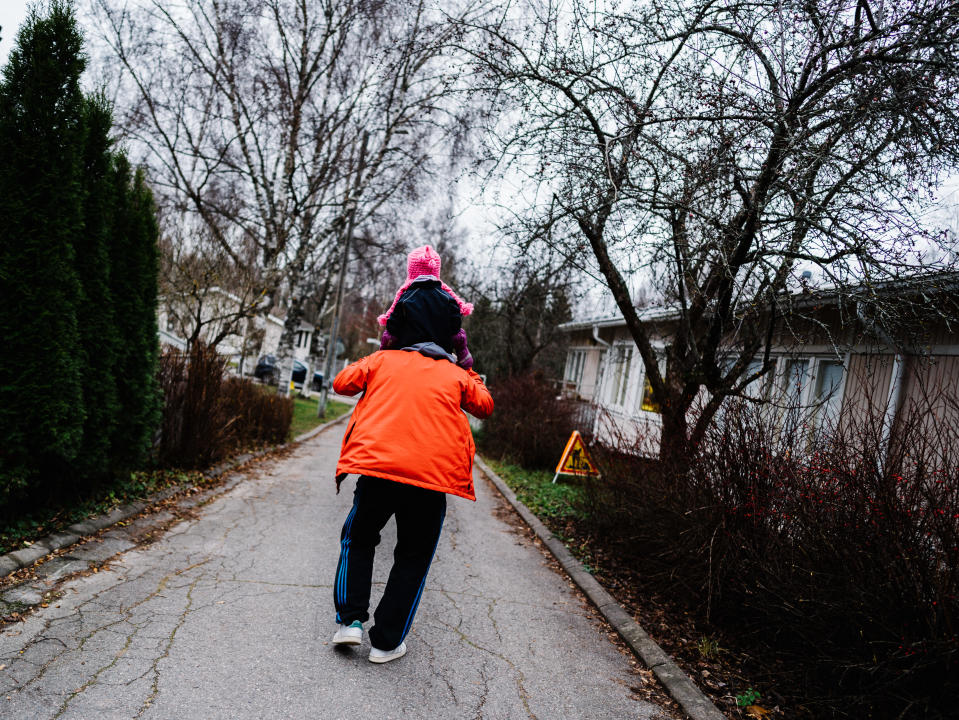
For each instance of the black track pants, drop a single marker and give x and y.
(419, 520)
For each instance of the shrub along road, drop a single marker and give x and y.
(229, 615)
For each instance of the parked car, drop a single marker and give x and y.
(268, 370)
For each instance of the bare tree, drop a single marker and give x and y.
(517, 312)
(250, 114)
(203, 293)
(719, 147)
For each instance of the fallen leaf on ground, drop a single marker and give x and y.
(756, 711)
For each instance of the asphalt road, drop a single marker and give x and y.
(229, 615)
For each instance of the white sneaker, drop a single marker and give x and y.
(384, 656)
(351, 634)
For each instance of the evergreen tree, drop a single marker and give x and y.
(133, 280)
(95, 315)
(41, 411)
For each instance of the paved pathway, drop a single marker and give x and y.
(229, 616)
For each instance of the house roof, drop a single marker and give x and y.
(651, 314)
(932, 282)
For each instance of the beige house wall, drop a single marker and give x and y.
(868, 376)
(931, 401)
(930, 381)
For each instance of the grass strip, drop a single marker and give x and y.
(23, 529)
(557, 501)
(304, 414)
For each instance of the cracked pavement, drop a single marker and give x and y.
(229, 615)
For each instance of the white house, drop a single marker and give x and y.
(250, 338)
(833, 370)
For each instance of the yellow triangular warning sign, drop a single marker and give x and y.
(576, 459)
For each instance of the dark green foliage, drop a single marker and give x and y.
(555, 503)
(133, 283)
(97, 324)
(41, 410)
(20, 526)
(79, 399)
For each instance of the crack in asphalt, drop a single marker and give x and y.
(44, 635)
(520, 676)
(155, 688)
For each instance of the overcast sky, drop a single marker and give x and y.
(12, 13)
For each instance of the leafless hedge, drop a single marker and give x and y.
(208, 415)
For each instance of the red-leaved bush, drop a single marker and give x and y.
(827, 554)
(531, 424)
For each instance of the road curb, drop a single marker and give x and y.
(24, 557)
(677, 683)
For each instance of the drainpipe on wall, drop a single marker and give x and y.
(896, 386)
(894, 400)
(600, 372)
(597, 338)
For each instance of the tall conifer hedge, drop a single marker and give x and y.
(79, 397)
(41, 362)
(100, 340)
(135, 264)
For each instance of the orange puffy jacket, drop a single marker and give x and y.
(409, 425)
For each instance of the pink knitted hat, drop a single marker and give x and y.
(423, 261)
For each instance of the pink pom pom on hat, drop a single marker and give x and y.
(423, 261)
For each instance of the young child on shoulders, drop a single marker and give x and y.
(425, 309)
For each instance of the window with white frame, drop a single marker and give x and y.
(601, 372)
(827, 395)
(793, 385)
(575, 362)
(620, 361)
(810, 390)
(757, 389)
(646, 401)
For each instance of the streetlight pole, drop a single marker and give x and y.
(335, 325)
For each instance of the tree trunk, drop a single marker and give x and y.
(284, 351)
(674, 438)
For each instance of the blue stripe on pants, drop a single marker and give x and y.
(419, 593)
(344, 558)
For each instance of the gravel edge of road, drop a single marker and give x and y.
(13, 561)
(677, 683)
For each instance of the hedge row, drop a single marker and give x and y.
(78, 275)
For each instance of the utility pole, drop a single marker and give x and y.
(335, 324)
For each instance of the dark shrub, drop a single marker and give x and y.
(258, 416)
(207, 415)
(41, 211)
(811, 553)
(530, 424)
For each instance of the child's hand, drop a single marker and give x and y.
(386, 341)
(464, 359)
